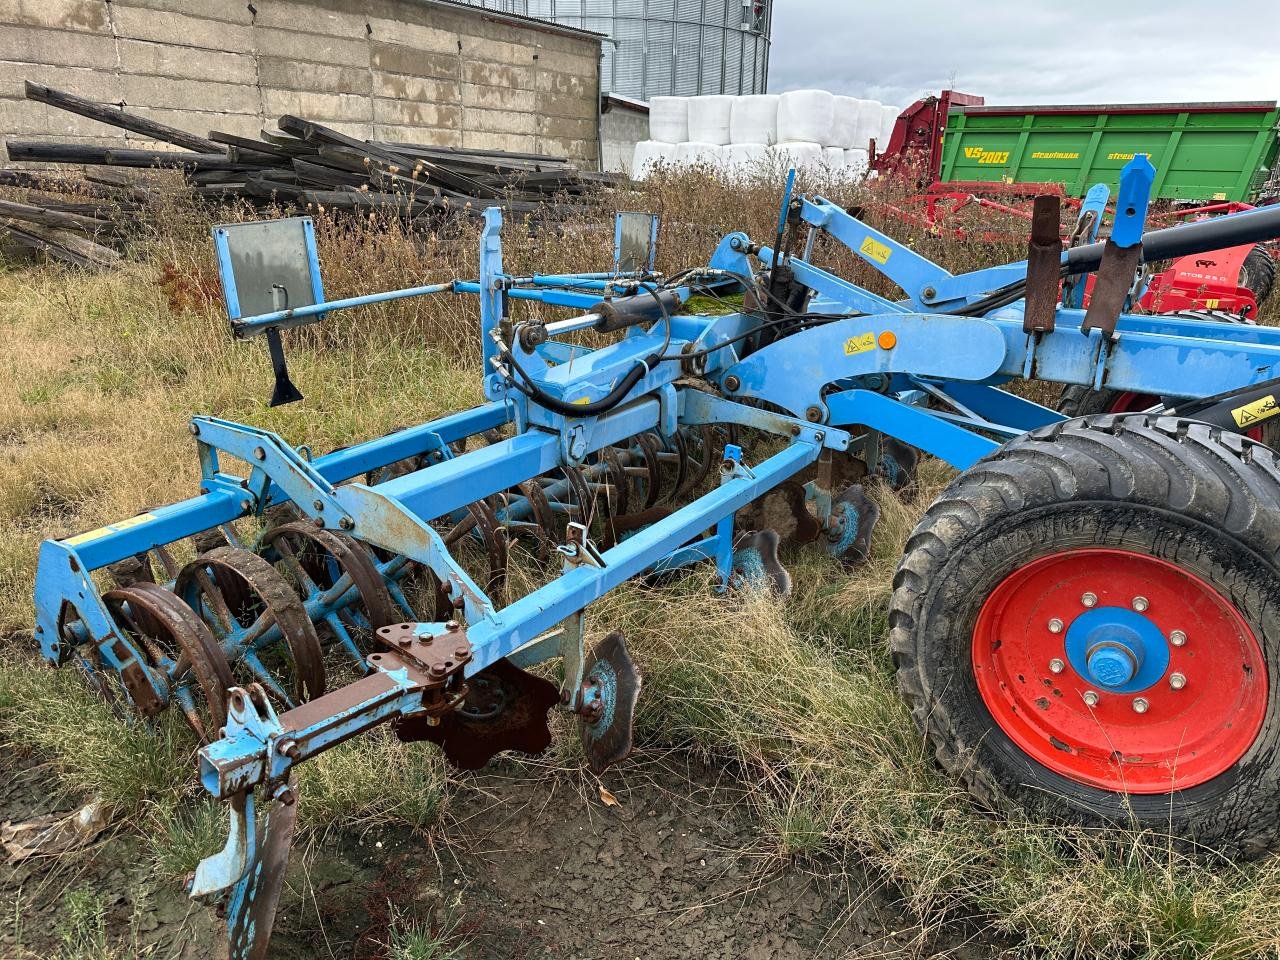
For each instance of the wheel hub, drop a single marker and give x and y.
(1120, 670)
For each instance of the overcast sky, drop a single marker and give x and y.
(1030, 51)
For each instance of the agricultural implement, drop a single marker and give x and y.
(963, 157)
(1082, 623)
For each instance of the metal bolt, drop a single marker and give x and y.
(259, 453)
(452, 625)
(813, 415)
(1056, 665)
(246, 504)
(1055, 625)
(286, 796)
(1090, 698)
(1177, 638)
(346, 523)
(460, 652)
(318, 504)
(318, 522)
(795, 430)
(929, 293)
(1140, 604)
(195, 429)
(732, 383)
(1140, 705)
(1177, 681)
(1089, 599)
(288, 747)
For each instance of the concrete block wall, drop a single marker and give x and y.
(413, 71)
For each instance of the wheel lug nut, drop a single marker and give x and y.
(1140, 604)
(1055, 625)
(1090, 698)
(1177, 638)
(1140, 705)
(1089, 600)
(1056, 665)
(1177, 681)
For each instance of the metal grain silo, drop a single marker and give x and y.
(667, 47)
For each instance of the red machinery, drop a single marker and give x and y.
(1231, 281)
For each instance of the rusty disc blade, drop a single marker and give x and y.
(610, 688)
(180, 645)
(505, 709)
(784, 510)
(271, 601)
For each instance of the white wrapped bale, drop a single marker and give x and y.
(754, 119)
(695, 154)
(844, 128)
(870, 116)
(833, 159)
(650, 155)
(669, 119)
(804, 156)
(709, 119)
(889, 119)
(856, 162)
(806, 116)
(745, 158)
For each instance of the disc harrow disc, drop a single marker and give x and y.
(505, 709)
(854, 516)
(178, 645)
(610, 688)
(756, 564)
(269, 612)
(784, 510)
(324, 567)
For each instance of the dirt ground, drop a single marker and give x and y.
(532, 864)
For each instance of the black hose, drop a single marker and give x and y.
(1233, 230)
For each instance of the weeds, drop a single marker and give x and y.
(100, 373)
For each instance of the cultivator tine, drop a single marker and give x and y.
(251, 913)
(505, 709)
(1044, 265)
(606, 712)
(1122, 254)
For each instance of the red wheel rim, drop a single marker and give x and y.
(1129, 402)
(1186, 735)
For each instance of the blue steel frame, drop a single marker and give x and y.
(913, 369)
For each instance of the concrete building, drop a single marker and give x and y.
(422, 71)
(682, 48)
(623, 123)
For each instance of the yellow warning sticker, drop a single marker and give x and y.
(80, 538)
(856, 345)
(1251, 413)
(873, 249)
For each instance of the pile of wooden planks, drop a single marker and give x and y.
(301, 164)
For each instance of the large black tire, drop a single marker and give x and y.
(1258, 273)
(1168, 488)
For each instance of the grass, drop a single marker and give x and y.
(99, 375)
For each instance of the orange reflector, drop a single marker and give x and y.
(888, 340)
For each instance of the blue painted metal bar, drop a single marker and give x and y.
(1001, 406)
(534, 614)
(921, 428)
(249, 326)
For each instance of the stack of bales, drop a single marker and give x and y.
(811, 130)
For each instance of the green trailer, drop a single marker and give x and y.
(1203, 151)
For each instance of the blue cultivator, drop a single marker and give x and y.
(1081, 624)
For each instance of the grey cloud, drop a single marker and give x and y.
(1083, 51)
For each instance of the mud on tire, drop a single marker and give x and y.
(1167, 488)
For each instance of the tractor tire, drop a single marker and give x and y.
(1258, 273)
(1074, 534)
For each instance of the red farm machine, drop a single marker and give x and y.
(960, 155)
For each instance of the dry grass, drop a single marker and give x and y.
(100, 373)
